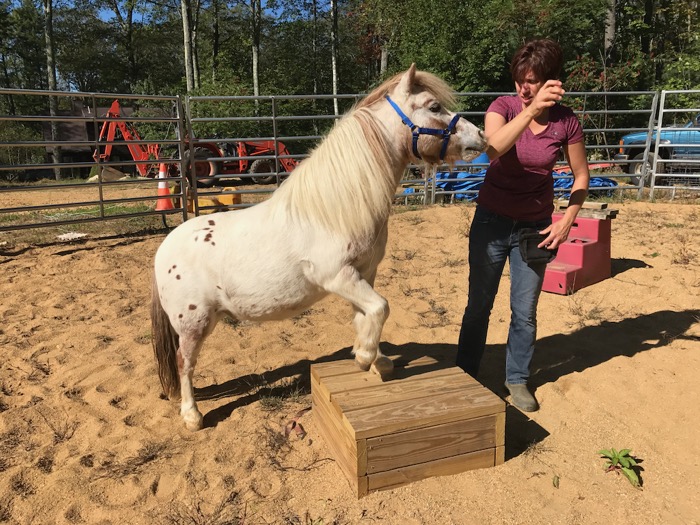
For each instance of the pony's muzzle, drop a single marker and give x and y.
(471, 151)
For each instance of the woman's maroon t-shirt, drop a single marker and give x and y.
(519, 183)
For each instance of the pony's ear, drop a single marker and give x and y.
(406, 83)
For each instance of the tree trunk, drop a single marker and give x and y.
(257, 21)
(648, 22)
(334, 52)
(126, 25)
(256, 9)
(383, 60)
(661, 25)
(609, 32)
(216, 42)
(186, 8)
(195, 54)
(314, 59)
(51, 77)
(6, 77)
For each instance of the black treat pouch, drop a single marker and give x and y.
(528, 239)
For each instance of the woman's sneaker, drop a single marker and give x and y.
(520, 397)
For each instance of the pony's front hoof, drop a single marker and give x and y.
(383, 367)
(363, 366)
(194, 420)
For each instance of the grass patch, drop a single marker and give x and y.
(45, 464)
(62, 430)
(413, 220)
(684, 255)
(407, 255)
(21, 486)
(408, 291)
(228, 511)
(585, 311)
(453, 263)
(133, 465)
(275, 398)
(5, 509)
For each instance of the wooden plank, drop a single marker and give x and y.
(500, 429)
(500, 455)
(429, 444)
(362, 486)
(353, 378)
(342, 448)
(333, 368)
(349, 367)
(445, 380)
(321, 373)
(597, 214)
(603, 215)
(590, 205)
(361, 453)
(319, 388)
(348, 383)
(360, 380)
(441, 467)
(423, 412)
(336, 453)
(328, 413)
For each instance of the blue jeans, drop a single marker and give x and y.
(492, 240)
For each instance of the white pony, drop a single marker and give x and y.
(323, 231)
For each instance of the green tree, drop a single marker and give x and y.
(26, 46)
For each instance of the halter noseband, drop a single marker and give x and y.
(416, 131)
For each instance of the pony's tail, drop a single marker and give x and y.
(165, 344)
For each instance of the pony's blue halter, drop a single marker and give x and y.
(417, 131)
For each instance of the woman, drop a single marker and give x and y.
(526, 133)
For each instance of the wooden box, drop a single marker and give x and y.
(431, 419)
(220, 200)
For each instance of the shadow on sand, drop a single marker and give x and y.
(556, 356)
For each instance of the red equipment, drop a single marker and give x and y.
(240, 151)
(208, 156)
(147, 152)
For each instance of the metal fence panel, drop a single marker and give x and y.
(68, 149)
(605, 117)
(243, 147)
(676, 152)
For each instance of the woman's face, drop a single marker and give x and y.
(528, 87)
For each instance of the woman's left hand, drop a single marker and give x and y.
(557, 233)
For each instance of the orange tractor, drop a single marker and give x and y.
(211, 159)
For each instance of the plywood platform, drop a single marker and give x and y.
(432, 419)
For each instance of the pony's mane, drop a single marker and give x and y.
(347, 183)
(423, 81)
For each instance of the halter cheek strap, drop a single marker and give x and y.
(417, 131)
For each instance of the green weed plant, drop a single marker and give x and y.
(623, 463)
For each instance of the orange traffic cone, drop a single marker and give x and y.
(163, 190)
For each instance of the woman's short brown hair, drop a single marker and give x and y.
(543, 56)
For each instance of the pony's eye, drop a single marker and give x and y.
(435, 107)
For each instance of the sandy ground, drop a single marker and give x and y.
(86, 438)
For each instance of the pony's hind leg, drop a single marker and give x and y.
(190, 345)
(371, 312)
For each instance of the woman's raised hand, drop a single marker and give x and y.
(549, 94)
